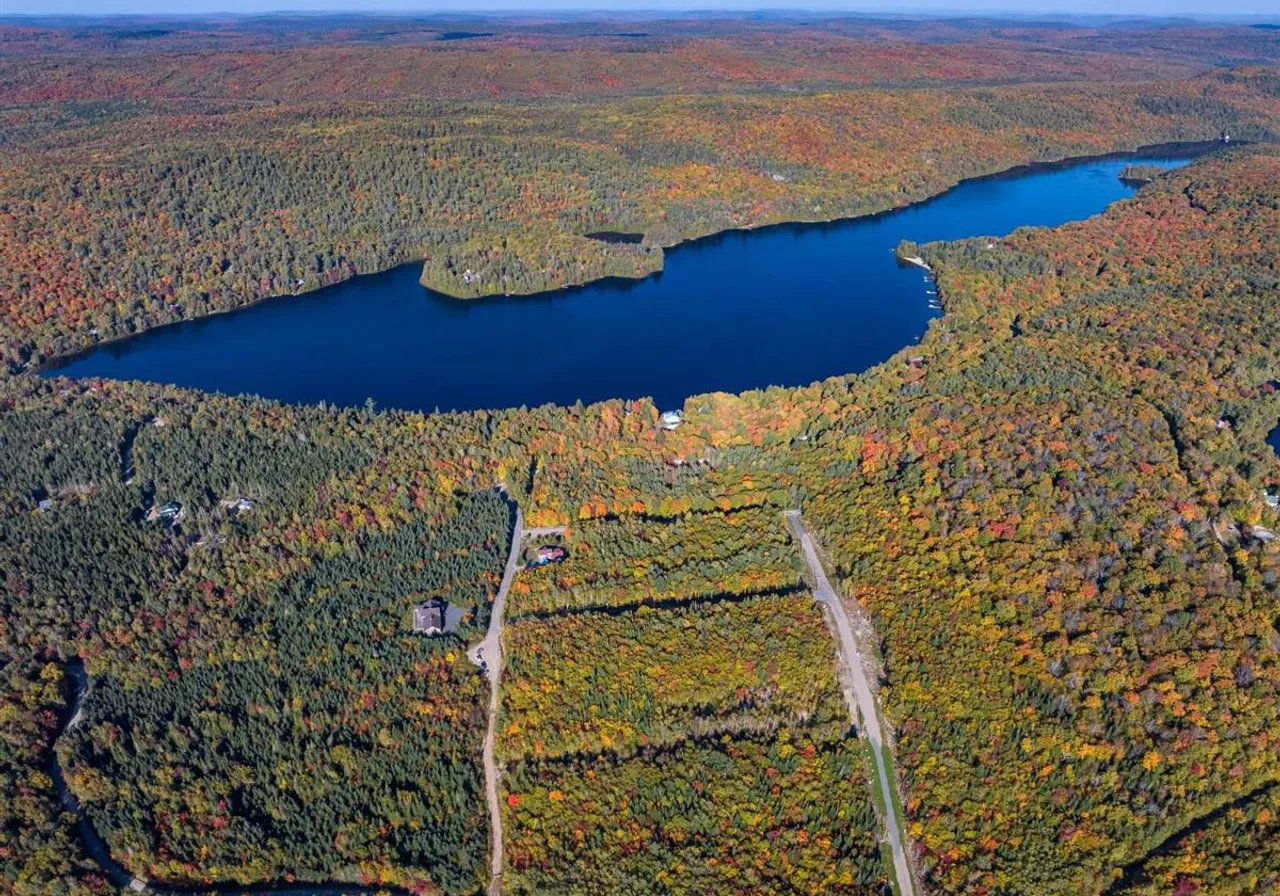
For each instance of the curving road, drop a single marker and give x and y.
(862, 700)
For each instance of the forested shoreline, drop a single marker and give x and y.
(1058, 509)
(229, 198)
(902, 471)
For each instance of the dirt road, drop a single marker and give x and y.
(488, 655)
(862, 700)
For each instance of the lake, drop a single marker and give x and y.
(783, 305)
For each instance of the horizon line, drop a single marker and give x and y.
(728, 8)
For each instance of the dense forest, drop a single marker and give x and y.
(383, 725)
(1105, 546)
(1056, 520)
(694, 743)
(1059, 515)
(621, 561)
(782, 814)
(612, 682)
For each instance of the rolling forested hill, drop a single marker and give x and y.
(1056, 509)
(152, 180)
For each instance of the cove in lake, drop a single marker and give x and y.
(785, 305)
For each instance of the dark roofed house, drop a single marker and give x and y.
(429, 617)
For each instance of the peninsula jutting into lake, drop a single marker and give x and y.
(786, 305)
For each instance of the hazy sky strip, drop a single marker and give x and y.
(1079, 7)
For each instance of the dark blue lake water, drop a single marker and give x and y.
(779, 306)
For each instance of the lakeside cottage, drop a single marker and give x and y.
(429, 617)
(670, 419)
